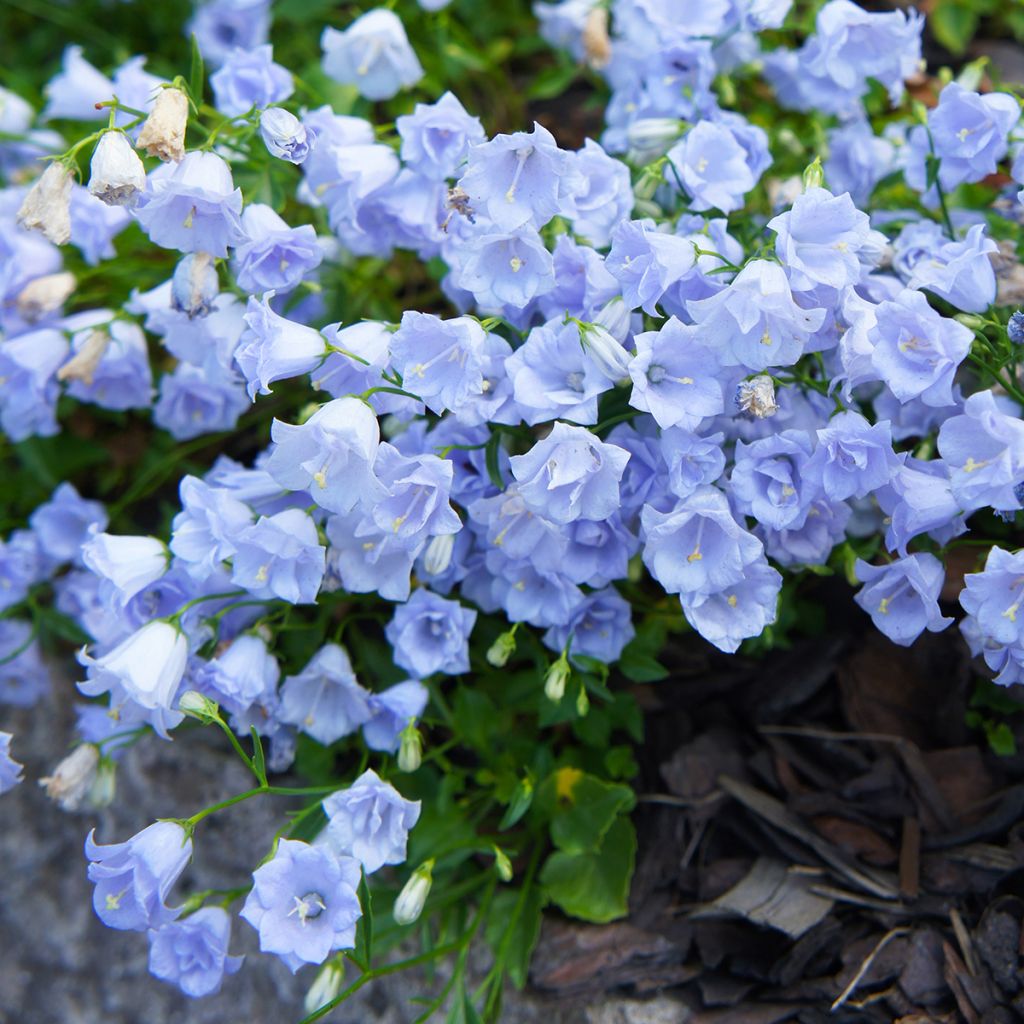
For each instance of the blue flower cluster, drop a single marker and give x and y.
(639, 370)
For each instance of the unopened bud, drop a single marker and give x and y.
(44, 295)
(502, 649)
(410, 748)
(82, 365)
(615, 318)
(813, 176)
(438, 555)
(413, 896)
(757, 397)
(597, 47)
(163, 134)
(116, 172)
(582, 702)
(194, 286)
(502, 864)
(198, 705)
(605, 352)
(651, 137)
(557, 677)
(104, 785)
(47, 207)
(73, 777)
(326, 985)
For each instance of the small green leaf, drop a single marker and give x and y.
(594, 886)
(640, 667)
(522, 797)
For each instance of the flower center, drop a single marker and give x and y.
(308, 907)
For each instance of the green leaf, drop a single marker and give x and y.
(522, 797)
(1001, 739)
(581, 808)
(594, 886)
(364, 929)
(953, 24)
(639, 667)
(517, 935)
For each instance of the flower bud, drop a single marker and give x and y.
(438, 555)
(285, 136)
(163, 134)
(194, 286)
(757, 396)
(73, 777)
(198, 705)
(582, 702)
(116, 172)
(557, 677)
(607, 353)
(47, 207)
(410, 748)
(104, 785)
(813, 176)
(596, 45)
(1015, 328)
(502, 649)
(502, 864)
(653, 134)
(326, 985)
(44, 295)
(82, 365)
(413, 896)
(615, 318)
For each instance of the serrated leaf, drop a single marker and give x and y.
(594, 886)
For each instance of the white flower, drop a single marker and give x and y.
(117, 175)
(163, 134)
(125, 565)
(47, 207)
(147, 667)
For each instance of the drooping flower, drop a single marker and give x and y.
(133, 879)
(116, 174)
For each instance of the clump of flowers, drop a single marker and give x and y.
(652, 384)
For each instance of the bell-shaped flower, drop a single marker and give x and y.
(133, 879)
(373, 54)
(902, 597)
